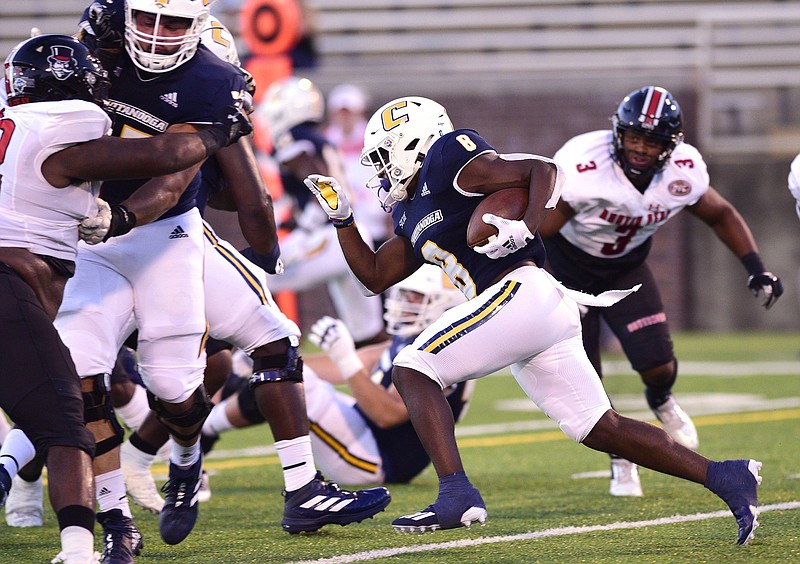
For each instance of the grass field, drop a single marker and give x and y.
(547, 497)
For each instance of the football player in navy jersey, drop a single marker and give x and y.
(293, 110)
(152, 279)
(433, 177)
(239, 307)
(621, 186)
(53, 144)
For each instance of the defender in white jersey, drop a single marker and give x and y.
(621, 186)
(52, 145)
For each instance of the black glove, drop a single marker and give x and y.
(270, 262)
(101, 20)
(122, 221)
(227, 128)
(769, 283)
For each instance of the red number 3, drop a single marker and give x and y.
(583, 167)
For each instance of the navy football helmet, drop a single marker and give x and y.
(51, 68)
(650, 111)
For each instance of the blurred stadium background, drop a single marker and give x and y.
(530, 74)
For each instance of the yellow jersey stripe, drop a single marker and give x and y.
(341, 450)
(240, 267)
(474, 320)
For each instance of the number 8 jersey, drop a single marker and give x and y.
(612, 218)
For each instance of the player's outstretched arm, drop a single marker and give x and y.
(383, 407)
(731, 228)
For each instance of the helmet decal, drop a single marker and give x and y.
(388, 118)
(652, 107)
(62, 62)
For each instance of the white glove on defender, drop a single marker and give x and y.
(513, 234)
(332, 336)
(330, 195)
(93, 229)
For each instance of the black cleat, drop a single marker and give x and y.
(321, 503)
(121, 539)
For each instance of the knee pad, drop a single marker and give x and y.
(265, 371)
(189, 419)
(99, 414)
(247, 405)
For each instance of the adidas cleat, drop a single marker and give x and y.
(321, 503)
(736, 482)
(677, 423)
(121, 539)
(444, 515)
(624, 479)
(179, 513)
(24, 506)
(139, 482)
(204, 494)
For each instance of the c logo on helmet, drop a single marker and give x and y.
(388, 118)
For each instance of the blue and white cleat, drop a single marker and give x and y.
(447, 514)
(736, 482)
(321, 503)
(179, 513)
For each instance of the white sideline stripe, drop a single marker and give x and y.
(559, 532)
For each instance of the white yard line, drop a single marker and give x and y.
(547, 533)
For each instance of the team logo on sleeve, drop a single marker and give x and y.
(62, 63)
(679, 188)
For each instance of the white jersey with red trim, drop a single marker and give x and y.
(33, 214)
(794, 182)
(611, 216)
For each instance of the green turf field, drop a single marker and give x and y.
(545, 500)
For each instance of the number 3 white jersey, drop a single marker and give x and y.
(33, 214)
(611, 216)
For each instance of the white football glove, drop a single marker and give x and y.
(330, 195)
(93, 229)
(332, 336)
(513, 234)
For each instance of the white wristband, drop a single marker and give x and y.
(349, 365)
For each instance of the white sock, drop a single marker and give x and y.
(297, 462)
(133, 456)
(217, 421)
(110, 488)
(16, 452)
(184, 456)
(134, 412)
(77, 544)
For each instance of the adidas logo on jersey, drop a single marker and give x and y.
(171, 98)
(424, 191)
(178, 233)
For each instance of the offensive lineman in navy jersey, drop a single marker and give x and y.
(517, 314)
(152, 278)
(240, 308)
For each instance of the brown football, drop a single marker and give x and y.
(509, 203)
